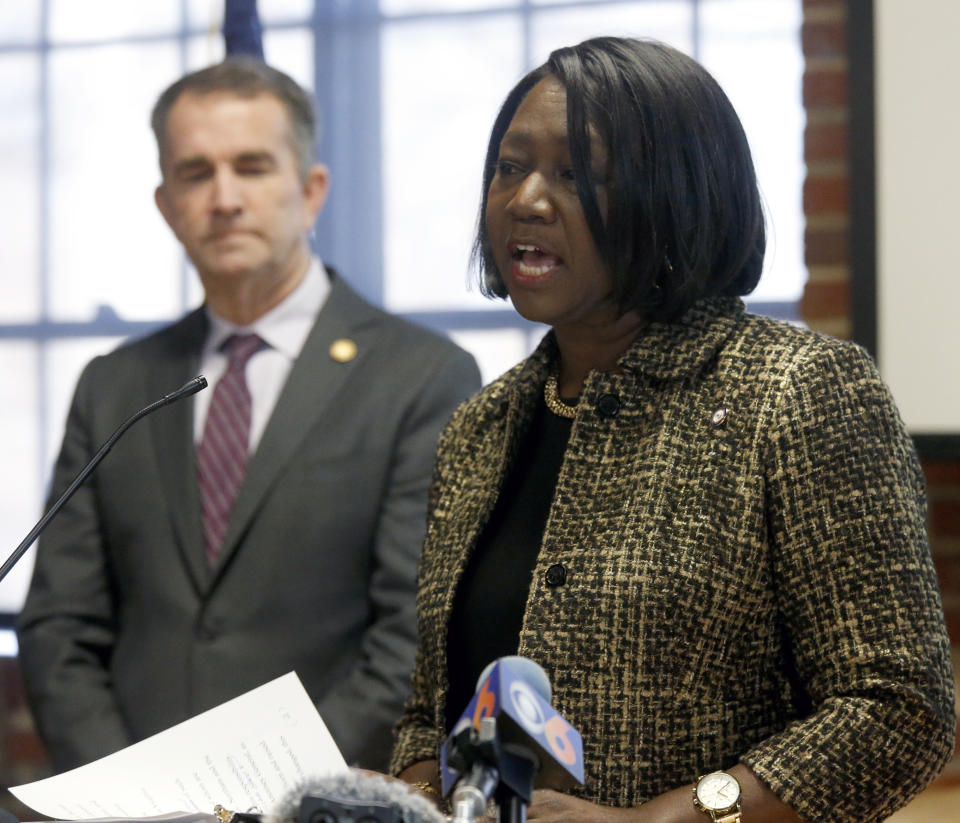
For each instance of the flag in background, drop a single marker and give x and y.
(242, 32)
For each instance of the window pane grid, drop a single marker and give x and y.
(67, 293)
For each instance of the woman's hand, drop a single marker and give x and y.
(424, 777)
(549, 806)
(760, 805)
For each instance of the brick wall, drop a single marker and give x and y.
(943, 491)
(826, 299)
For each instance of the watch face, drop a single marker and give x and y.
(718, 791)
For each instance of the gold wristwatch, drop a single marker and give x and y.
(718, 794)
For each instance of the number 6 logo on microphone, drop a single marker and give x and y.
(526, 719)
(486, 704)
(559, 739)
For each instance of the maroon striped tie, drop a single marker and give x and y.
(222, 453)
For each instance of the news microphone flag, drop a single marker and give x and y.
(523, 717)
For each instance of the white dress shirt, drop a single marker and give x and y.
(284, 329)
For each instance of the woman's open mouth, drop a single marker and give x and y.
(533, 262)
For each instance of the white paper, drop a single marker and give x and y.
(252, 751)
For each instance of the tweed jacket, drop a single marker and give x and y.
(740, 516)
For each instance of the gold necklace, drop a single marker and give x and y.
(551, 396)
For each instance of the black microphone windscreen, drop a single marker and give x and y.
(346, 792)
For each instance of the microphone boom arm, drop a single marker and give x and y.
(191, 387)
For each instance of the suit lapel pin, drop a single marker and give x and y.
(343, 350)
(719, 416)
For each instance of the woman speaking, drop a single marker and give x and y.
(707, 526)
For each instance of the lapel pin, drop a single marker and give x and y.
(719, 416)
(343, 350)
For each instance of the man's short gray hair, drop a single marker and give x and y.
(245, 77)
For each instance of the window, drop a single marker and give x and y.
(407, 91)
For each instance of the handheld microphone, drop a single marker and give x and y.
(509, 740)
(191, 387)
(355, 797)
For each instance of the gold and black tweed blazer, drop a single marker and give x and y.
(740, 569)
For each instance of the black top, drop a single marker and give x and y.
(491, 598)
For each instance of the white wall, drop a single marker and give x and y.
(918, 208)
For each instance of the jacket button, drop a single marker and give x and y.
(608, 405)
(556, 575)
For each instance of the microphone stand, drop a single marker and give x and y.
(475, 754)
(192, 387)
(489, 768)
(518, 771)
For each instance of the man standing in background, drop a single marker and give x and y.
(273, 523)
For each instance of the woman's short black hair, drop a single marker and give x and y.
(684, 216)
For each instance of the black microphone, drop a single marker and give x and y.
(191, 387)
(509, 740)
(355, 797)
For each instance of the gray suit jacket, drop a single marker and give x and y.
(126, 631)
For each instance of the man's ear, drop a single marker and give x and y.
(315, 190)
(162, 199)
